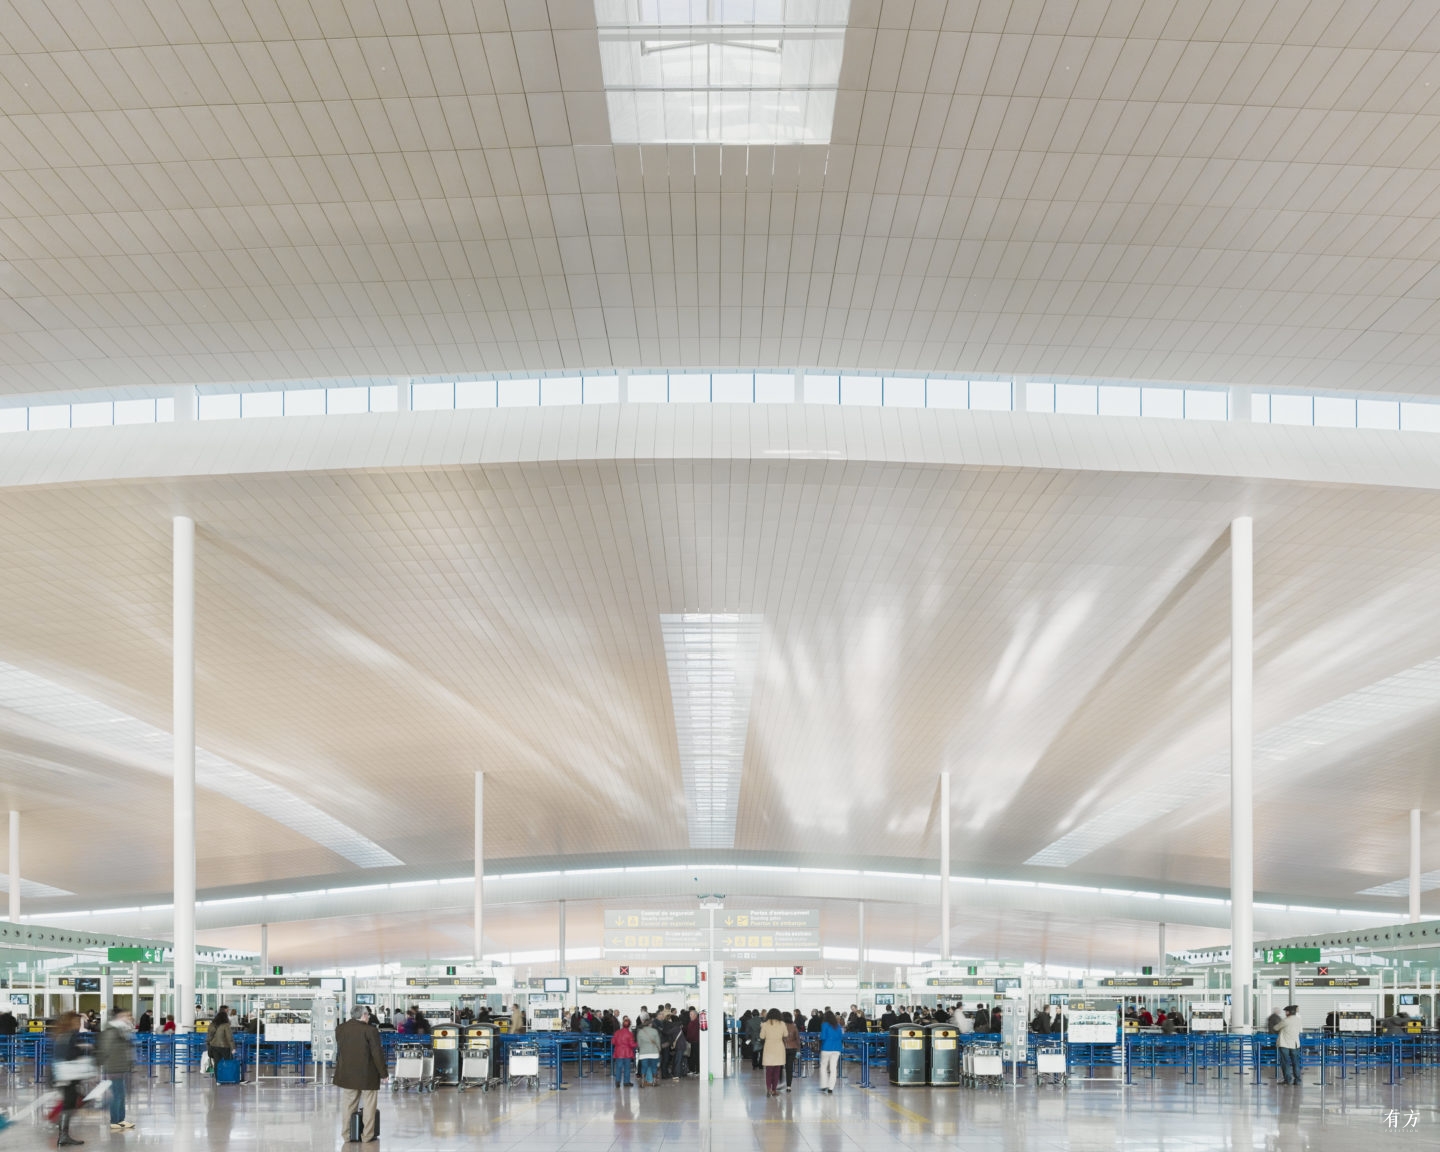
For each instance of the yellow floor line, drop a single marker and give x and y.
(914, 1117)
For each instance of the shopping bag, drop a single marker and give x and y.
(98, 1093)
(206, 1064)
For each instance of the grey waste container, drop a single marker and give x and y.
(909, 1051)
(476, 1055)
(944, 1055)
(445, 1040)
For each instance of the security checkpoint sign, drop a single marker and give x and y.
(1292, 955)
(136, 955)
(738, 933)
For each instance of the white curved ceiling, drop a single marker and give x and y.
(1220, 191)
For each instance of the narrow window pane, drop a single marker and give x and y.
(861, 390)
(732, 388)
(1118, 400)
(347, 401)
(904, 392)
(262, 405)
(1334, 412)
(822, 389)
(1077, 399)
(1378, 414)
(689, 387)
(601, 390)
(95, 415)
(560, 390)
(384, 398)
(14, 419)
(1287, 408)
(518, 393)
(475, 394)
(943, 393)
(1039, 396)
(223, 407)
(305, 402)
(774, 388)
(1260, 408)
(432, 397)
(1164, 403)
(135, 412)
(990, 395)
(1206, 404)
(649, 388)
(1419, 417)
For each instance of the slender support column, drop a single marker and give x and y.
(713, 1041)
(1240, 405)
(1414, 866)
(264, 949)
(562, 938)
(622, 384)
(945, 865)
(479, 923)
(860, 948)
(1242, 825)
(184, 729)
(14, 867)
(187, 404)
(402, 394)
(1160, 941)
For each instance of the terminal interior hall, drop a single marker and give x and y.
(776, 575)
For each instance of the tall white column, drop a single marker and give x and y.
(403, 401)
(713, 1040)
(561, 952)
(860, 946)
(945, 865)
(1242, 819)
(14, 867)
(1414, 866)
(1160, 941)
(479, 923)
(184, 729)
(264, 949)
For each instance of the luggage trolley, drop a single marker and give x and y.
(984, 1066)
(477, 1060)
(524, 1062)
(1050, 1061)
(414, 1068)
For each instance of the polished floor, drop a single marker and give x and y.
(591, 1116)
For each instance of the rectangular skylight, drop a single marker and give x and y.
(711, 658)
(721, 71)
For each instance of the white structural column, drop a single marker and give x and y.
(14, 867)
(1160, 941)
(264, 949)
(1414, 866)
(403, 402)
(1242, 819)
(945, 865)
(479, 925)
(860, 943)
(712, 1041)
(560, 952)
(184, 729)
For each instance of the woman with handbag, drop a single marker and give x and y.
(792, 1048)
(71, 1066)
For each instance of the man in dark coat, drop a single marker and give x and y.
(359, 1069)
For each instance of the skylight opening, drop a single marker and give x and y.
(721, 71)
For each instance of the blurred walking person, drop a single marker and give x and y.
(116, 1052)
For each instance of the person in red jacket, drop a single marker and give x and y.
(622, 1053)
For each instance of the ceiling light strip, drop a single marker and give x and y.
(711, 659)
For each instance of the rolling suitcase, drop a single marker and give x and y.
(357, 1126)
(227, 1071)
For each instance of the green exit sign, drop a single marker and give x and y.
(1292, 955)
(450, 970)
(136, 955)
(278, 970)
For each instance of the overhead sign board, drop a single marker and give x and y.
(276, 982)
(449, 981)
(1325, 982)
(128, 955)
(1292, 955)
(1148, 982)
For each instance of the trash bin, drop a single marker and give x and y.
(945, 1055)
(445, 1041)
(476, 1059)
(908, 1053)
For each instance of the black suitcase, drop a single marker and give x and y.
(357, 1126)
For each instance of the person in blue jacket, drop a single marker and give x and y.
(832, 1040)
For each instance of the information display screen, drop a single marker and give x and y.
(686, 974)
(21, 999)
(782, 984)
(557, 984)
(364, 998)
(884, 999)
